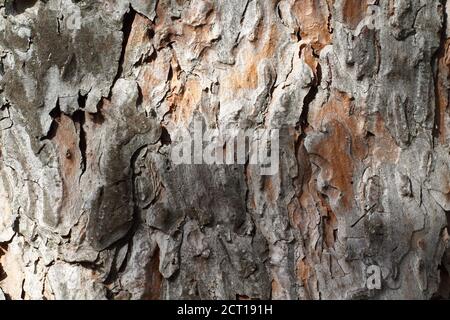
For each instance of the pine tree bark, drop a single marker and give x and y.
(95, 95)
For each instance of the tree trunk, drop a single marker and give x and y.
(98, 97)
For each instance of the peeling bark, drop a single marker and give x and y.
(95, 96)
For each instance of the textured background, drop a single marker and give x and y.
(95, 94)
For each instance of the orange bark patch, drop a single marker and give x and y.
(269, 189)
(246, 80)
(303, 271)
(185, 102)
(271, 43)
(442, 105)
(343, 144)
(306, 275)
(67, 142)
(313, 19)
(353, 12)
(442, 95)
(384, 147)
(247, 77)
(277, 289)
(335, 149)
(308, 55)
(66, 139)
(153, 278)
(139, 34)
(340, 108)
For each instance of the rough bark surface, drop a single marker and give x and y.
(93, 207)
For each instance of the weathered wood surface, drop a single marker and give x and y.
(93, 207)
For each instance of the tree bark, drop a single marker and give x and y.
(96, 95)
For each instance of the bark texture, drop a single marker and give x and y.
(92, 207)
